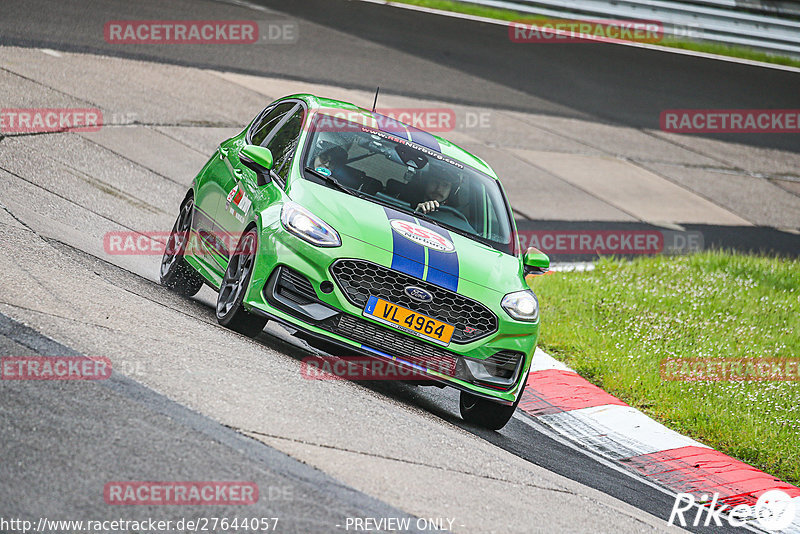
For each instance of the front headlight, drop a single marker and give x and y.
(308, 226)
(521, 305)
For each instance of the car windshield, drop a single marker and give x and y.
(392, 170)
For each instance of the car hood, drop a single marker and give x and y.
(417, 246)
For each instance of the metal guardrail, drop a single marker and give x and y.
(786, 8)
(682, 20)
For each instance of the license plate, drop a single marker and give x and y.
(409, 321)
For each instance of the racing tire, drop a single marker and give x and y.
(175, 273)
(229, 310)
(486, 413)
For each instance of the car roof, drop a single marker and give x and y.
(445, 147)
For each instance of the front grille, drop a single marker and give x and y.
(295, 287)
(395, 344)
(358, 279)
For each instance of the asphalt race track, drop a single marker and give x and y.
(432, 57)
(190, 400)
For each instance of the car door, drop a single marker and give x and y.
(216, 183)
(206, 249)
(280, 133)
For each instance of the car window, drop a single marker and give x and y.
(393, 170)
(283, 143)
(268, 120)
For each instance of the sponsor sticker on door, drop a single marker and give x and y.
(237, 198)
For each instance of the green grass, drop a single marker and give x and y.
(615, 324)
(732, 51)
(741, 52)
(470, 9)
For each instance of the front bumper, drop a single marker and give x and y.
(292, 284)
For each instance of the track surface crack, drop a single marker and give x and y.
(401, 460)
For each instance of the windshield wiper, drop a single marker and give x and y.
(329, 179)
(333, 181)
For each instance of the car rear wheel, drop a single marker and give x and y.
(485, 413)
(175, 273)
(230, 312)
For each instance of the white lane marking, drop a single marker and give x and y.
(603, 439)
(616, 432)
(536, 425)
(50, 52)
(248, 5)
(545, 430)
(794, 528)
(596, 423)
(658, 48)
(542, 362)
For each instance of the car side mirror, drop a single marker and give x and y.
(259, 159)
(535, 261)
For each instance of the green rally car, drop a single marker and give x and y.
(365, 236)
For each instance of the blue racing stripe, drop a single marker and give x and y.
(442, 266)
(407, 257)
(424, 138)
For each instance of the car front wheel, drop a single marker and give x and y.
(485, 413)
(230, 312)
